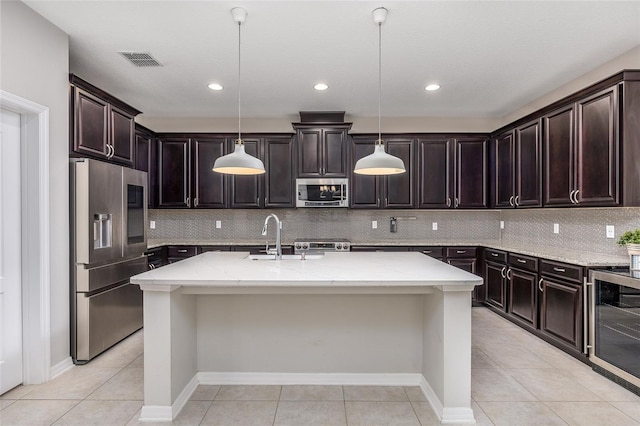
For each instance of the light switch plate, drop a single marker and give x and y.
(611, 231)
(556, 228)
(374, 224)
(502, 224)
(434, 226)
(218, 224)
(152, 224)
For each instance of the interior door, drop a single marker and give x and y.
(10, 253)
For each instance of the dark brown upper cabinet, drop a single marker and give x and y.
(209, 188)
(174, 172)
(452, 172)
(102, 126)
(582, 152)
(322, 150)
(275, 188)
(393, 191)
(517, 167)
(145, 159)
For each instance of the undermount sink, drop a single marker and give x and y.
(285, 257)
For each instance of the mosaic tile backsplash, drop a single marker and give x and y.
(579, 229)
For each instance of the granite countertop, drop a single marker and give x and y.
(588, 259)
(363, 270)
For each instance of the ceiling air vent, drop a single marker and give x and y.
(141, 59)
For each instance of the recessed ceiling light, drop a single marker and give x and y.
(215, 86)
(321, 86)
(431, 87)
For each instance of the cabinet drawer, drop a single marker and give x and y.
(461, 252)
(214, 248)
(182, 251)
(562, 270)
(523, 262)
(437, 252)
(154, 254)
(495, 255)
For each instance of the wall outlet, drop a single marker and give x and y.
(152, 224)
(611, 231)
(556, 228)
(434, 226)
(218, 224)
(374, 224)
(502, 224)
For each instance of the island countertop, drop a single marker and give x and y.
(235, 269)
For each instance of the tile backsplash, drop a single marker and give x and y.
(580, 229)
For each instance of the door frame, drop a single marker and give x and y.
(35, 205)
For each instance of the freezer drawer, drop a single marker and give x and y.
(105, 318)
(93, 279)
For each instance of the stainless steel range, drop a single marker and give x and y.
(320, 245)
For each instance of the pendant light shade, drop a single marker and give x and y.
(379, 163)
(239, 162)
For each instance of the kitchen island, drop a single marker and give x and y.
(400, 319)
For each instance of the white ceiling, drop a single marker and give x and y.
(489, 57)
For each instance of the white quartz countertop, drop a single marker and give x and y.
(235, 269)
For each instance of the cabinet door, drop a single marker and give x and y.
(528, 177)
(469, 265)
(561, 311)
(471, 173)
(503, 154)
(364, 191)
(122, 135)
(399, 190)
(279, 155)
(495, 283)
(309, 152)
(91, 131)
(435, 173)
(209, 187)
(523, 296)
(174, 173)
(334, 153)
(597, 150)
(246, 191)
(558, 144)
(145, 160)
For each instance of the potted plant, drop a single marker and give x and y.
(631, 239)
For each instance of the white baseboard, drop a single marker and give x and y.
(447, 415)
(61, 367)
(165, 413)
(219, 378)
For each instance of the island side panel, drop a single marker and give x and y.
(447, 354)
(183, 342)
(362, 334)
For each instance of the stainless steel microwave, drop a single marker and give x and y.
(321, 192)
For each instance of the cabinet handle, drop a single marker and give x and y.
(182, 250)
(152, 266)
(195, 202)
(575, 196)
(427, 251)
(386, 201)
(521, 260)
(509, 274)
(457, 202)
(448, 201)
(559, 269)
(540, 285)
(504, 268)
(516, 200)
(511, 201)
(571, 196)
(461, 251)
(109, 151)
(494, 254)
(378, 203)
(188, 201)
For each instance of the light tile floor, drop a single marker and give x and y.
(517, 379)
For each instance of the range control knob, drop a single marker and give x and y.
(297, 245)
(305, 246)
(345, 246)
(338, 246)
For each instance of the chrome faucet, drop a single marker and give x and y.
(278, 251)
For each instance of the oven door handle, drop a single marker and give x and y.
(588, 316)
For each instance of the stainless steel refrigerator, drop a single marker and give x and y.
(108, 241)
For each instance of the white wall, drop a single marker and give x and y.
(34, 64)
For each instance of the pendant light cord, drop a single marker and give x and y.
(239, 64)
(379, 141)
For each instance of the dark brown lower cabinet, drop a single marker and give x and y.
(495, 282)
(523, 296)
(561, 311)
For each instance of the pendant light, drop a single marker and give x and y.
(239, 162)
(379, 163)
